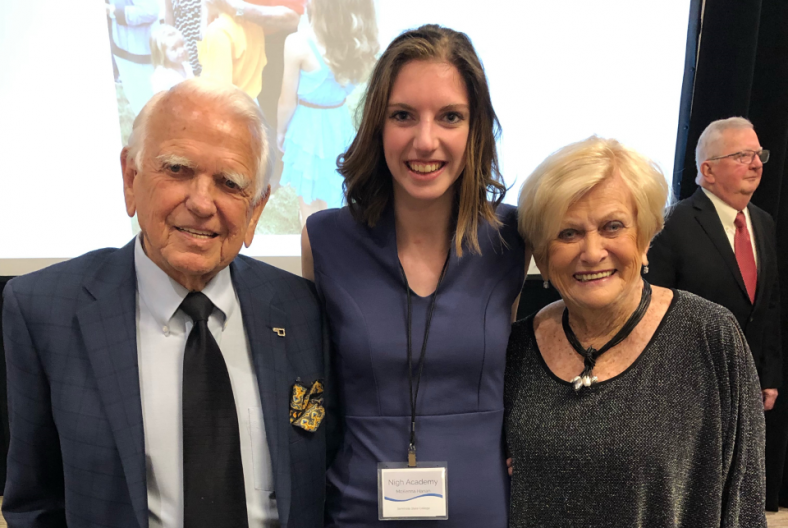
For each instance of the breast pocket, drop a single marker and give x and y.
(261, 456)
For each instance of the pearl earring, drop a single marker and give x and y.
(645, 269)
(546, 285)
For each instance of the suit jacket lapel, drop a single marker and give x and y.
(261, 314)
(109, 330)
(760, 247)
(707, 217)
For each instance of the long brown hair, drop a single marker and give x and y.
(480, 187)
(349, 31)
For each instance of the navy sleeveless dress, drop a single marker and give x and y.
(460, 404)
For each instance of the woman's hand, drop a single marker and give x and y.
(510, 465)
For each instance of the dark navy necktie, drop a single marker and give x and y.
(213, 479)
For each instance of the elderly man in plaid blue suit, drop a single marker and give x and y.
(153, 385)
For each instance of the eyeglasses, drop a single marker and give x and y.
(746, 156)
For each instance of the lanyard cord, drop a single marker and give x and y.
(415, 395)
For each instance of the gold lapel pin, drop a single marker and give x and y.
(279, 331)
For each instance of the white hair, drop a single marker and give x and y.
(710, 140)
(221, 95)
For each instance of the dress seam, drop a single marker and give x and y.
(504, 276)
(366, 334)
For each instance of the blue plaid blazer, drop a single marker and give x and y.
(77, 453)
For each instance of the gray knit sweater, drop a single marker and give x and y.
(676, 440)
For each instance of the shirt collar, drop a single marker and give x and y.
(162, 295)
(726, 213)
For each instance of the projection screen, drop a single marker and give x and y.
(72, 81)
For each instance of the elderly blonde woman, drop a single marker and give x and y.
(625, 405)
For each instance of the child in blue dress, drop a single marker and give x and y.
(323, 64)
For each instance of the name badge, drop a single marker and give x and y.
(412, 493)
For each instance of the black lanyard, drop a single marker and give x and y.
(415, 395)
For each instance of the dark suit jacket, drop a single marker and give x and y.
(693, 253)
(77, 453)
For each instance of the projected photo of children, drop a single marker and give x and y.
(324, 62)
(302, 60)
(232, 49)
(169, 57)
(130, 23)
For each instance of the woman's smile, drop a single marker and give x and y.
(593, 276)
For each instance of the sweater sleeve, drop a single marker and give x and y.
(744, 488)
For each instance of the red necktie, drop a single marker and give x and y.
(742, 246)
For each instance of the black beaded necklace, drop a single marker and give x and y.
(590, 354)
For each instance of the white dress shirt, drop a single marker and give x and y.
(162, 330)
(727, 215)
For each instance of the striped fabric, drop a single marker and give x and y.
(187, 20)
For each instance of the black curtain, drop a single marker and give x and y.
(535, 296)
(685, 106)
(742, 70)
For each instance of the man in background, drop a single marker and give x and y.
(720, 246)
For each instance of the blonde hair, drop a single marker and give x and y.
(160, 40)
(569, 173)
(349, 31)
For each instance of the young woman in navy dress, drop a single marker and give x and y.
(424, 251)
